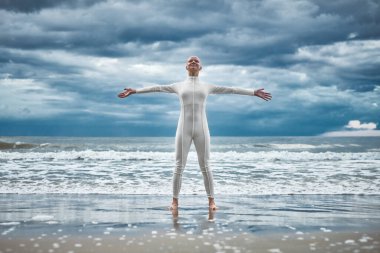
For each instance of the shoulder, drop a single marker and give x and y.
(207, 84)
(176, 85)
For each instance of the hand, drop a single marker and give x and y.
(262, 94)
(126, 93)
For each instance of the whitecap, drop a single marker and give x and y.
(293, 146)
(42, 217)
(10, 223)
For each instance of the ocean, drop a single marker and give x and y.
(144, 165)
(274, 194)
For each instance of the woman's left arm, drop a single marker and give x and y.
(241, 91)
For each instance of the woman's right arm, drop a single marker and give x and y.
(158, 88)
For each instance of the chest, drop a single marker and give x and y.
(190, 93)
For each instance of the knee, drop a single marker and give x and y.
(178, 168)
(205, 168)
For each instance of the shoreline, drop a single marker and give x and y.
(75, 223)
(255, 213)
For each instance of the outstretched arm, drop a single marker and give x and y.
(157, 88)
(235, 90)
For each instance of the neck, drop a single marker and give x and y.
(192, 72)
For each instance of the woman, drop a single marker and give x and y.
(192, 124)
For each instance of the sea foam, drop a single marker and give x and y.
(145, 166)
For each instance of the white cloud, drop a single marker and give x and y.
(342, 54)
(352, 36)
(356, 124)
(27, 98)
(356, 129)
(358, 133)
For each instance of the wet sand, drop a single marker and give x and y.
(174, 242)
(142, 223)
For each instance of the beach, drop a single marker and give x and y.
(143, 223)
(334, 242)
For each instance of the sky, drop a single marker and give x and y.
(63, 62)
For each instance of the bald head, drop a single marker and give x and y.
(193, 65)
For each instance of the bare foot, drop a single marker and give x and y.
(173, 207)
(211, 204)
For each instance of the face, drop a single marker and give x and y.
(193, 64)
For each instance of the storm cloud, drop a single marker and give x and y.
(63, 62)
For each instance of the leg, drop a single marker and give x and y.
(182, 147)
(202, 145)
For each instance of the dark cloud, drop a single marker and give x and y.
(362, 79)
(359, 17)
(360, 11)
(243, 32)
(37, 5)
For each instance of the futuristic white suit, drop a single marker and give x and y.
(192, 125)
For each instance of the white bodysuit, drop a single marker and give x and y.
(192, 125)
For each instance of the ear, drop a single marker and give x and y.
(187, 67)
(200, 68)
